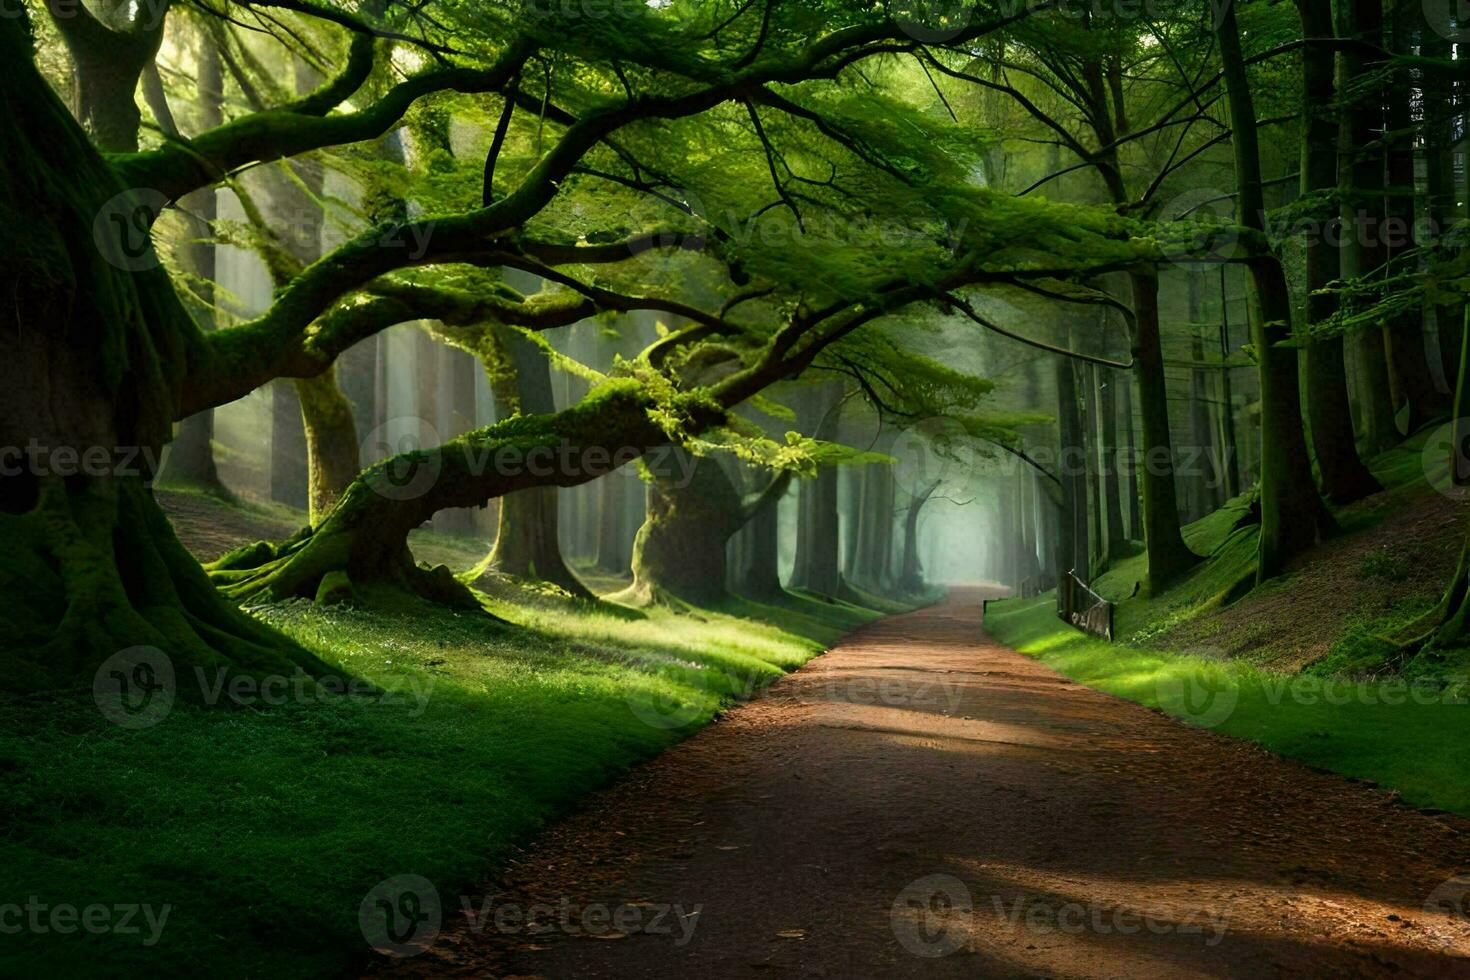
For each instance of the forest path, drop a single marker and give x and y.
(923, 790)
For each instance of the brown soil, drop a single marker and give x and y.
(209, 527)
(1073, 835)
(1290, 623)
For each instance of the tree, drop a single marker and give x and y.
(1293, 517)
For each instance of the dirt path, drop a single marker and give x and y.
(923, 802)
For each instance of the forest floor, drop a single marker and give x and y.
(923, 801)
(253, 829)
(1389, 561)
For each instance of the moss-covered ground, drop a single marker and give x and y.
(262, 824)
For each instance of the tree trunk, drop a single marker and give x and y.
(1168, 556)
(1360, 181)
(1293, 517)
(694, 510)
(1117, 543)
(1345, 478)
(190, 460)
(94, 342)
(1073, 548)
(527, 540)
(1130, 449)
(1229, 447)
(911, 573)
(332, 453)
(110, 52)
(1447, 625)
(1442, 206)
(1404, 332)
(757, 575)
(817, 568)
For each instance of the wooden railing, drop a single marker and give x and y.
(1083, 608)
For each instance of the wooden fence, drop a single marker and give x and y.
(1084, 608)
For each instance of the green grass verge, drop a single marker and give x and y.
(262, 828)
(1398, 732)
(1406, 732)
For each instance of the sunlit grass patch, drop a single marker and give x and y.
(263, 825)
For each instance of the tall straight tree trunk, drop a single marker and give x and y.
(1074, 550)
(191, 455)
(1168, 556)
(1293, 517)
(1229, 446)
(1404, 331)
(1360, 183)
(1128, 466)
(527, 538)
(1107, 401)
(1344, 476)
(1097, 516)
(1442, 205)
(757, 573)
(817, 568)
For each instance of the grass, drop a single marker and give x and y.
(1407, 732)
(262, 828)
(1398, 733)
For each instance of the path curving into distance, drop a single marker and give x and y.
(924, 802)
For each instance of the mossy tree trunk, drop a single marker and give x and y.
(91, 564)
(694, 509)
(110, 49)
(1345, 478)
(1168, 556)
(1293, 516)
(1360, 185)
(528, 534)
(333, 455)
